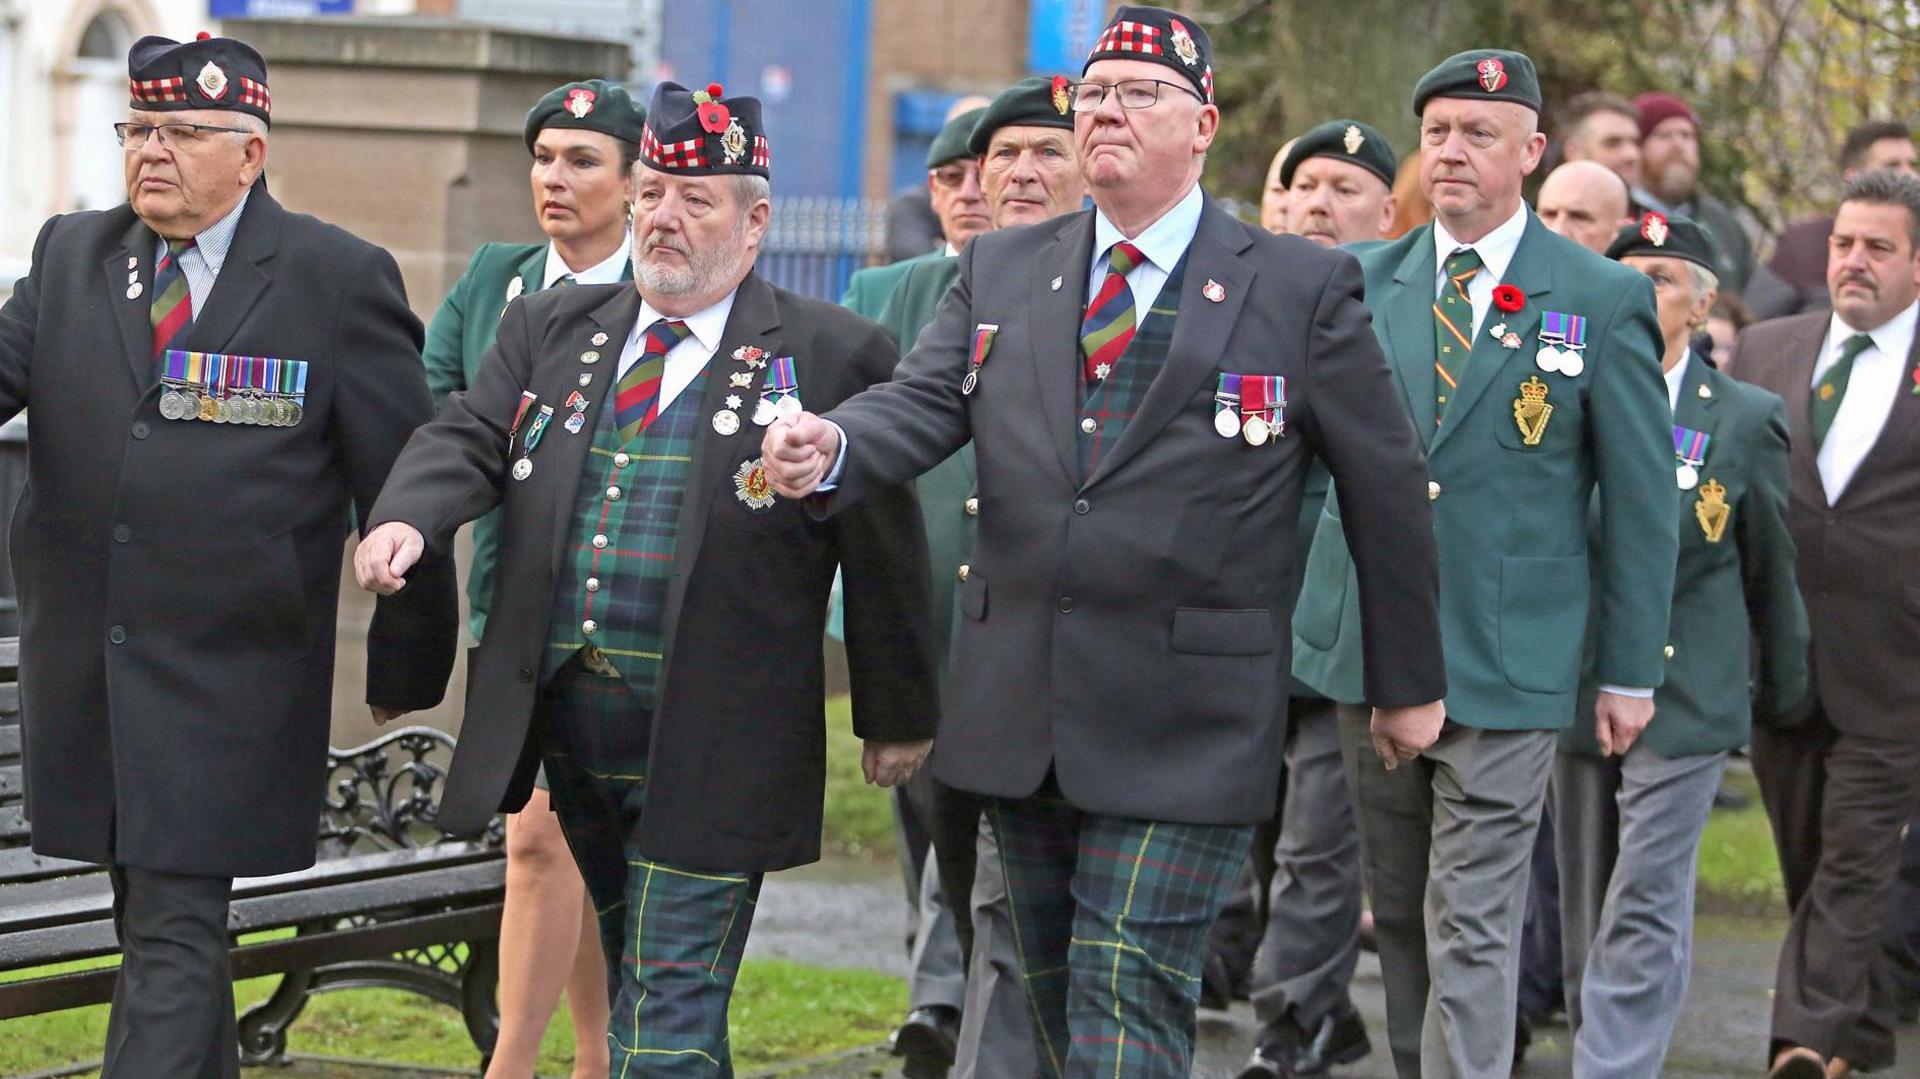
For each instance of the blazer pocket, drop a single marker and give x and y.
(1543, 621)
(973, 596)
(1200, 631)
(1323, 591)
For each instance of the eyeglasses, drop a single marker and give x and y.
(952, 176)
(176, 135)
(1133, 93)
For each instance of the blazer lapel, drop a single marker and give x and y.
(1532, 272)
(1902, 419)
(1200, 332)
(1407, 315)
(1698, 406)
(529, 273)
(567, 453)
(134, 315)
(1053, 330)
(244, 276)
(1803, 353)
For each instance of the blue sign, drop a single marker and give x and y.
(1060, 33)
(276, 9)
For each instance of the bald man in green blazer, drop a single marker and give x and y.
(1530, 366)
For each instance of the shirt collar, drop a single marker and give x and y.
(1496, 248)
(1893, 337)
(214, 243)
(951, 251)
(607, 271)
(1162, 242)
(707, 324)
(1676, 378)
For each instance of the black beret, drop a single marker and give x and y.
(701, 133)
(1667, 235)
(164, 75)
(1160, 36)
(1346, 140)
(1032, 102)
(1481, 75)
(951, 143)
(590, 105)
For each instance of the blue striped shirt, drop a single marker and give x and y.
(201, 262)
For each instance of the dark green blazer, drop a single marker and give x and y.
(1733, 585)
(458, 337)
(869, 290)
(1517, 574)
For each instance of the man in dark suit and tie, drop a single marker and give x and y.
(1144, 384)
(657, 619)
(215, 384)
(1840, 785)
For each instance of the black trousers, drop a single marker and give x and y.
(1837, 803)
(172, 1014)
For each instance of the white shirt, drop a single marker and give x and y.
(1496, 250)
(685, 359)
(201, 263)
(1162, 242)
(608, 271)
(1674, 379)
(1871, 388)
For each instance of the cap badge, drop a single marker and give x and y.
(212, 80)
(733, 144)
(1060, 99)
(1493, 74)
(1183, 45)
(580, 102)
(1654, 228)
(1353, 139)
(713, 114)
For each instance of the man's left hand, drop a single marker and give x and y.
(1618, 721)
(384, 716)
(887, 764)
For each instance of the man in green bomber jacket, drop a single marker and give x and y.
(1628, 826)
(1530, 366)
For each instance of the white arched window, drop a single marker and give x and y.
(95, 168)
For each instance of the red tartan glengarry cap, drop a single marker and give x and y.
(704, 133)
(164, 75)
(1158, 36)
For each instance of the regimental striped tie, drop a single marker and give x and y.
(172, 309)
(1108, 327)
(1832, 386)
(1453, 327)
(636, 401)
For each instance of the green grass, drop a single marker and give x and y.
(858, 818)
(781, 1011)
(1739, 867)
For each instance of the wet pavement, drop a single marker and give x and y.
(846, 915)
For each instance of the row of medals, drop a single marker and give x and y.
(1256, 428)
(727, 421)
(256, 410)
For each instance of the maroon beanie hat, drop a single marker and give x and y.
(1655, 106)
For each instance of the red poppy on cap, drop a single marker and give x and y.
(713, 115)
(1508, 298)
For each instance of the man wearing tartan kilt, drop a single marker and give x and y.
(1144, 384)
(655, 634)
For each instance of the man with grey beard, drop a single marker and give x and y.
(655, 632)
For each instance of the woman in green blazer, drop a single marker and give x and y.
(583, 138)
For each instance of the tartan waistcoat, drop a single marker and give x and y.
(1111, 403)
(630, 495)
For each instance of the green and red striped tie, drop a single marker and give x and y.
(1453, 326)
(636, 401)
(1108, 326)
(172, 309)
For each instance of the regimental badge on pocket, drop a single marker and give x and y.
(1531, 410)
(1712, 511)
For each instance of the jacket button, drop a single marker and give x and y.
(973, 507)
(600, 542)
(613, 494)
(1066, 604)
(526, 674)
(620, 460)
(1081, 505)
(964, 568)
(1669, 651)
(122, 534)
(1088, 426)
(593, 584)
(589, 627)
(1433, 491)
(140, 429)
(118, 635)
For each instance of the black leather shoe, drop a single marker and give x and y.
(929, 1035)
(1341, 1038)
(1522, 1038)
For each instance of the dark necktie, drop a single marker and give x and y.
(1832, 387)
(1453, 327)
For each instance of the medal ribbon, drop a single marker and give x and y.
(527, 398)
(781, 380)
(1690, 446)
(1575, 331)
(535, 429)
(1228, 395)
(1277, 395)
(982, 341)
(1254, 390)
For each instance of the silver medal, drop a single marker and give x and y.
(968, 383)
(1548, 359)
(522, 468)
(1571, 364)
(1225, 423)
(789, 405)
(1687, 476)
(134, 290)
(764, 412)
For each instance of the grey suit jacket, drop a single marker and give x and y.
(1129, 629)
(1859, 565)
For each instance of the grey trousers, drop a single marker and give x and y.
(996, 1026)
(172, 1015)
(937, 977)
(1312, 939)
(1447, 839)
(1627, 833)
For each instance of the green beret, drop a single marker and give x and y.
(1345, 140)
(1668, 235)
(1481, 75)
(593, 105)
(1032, 102)
(951, 143)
